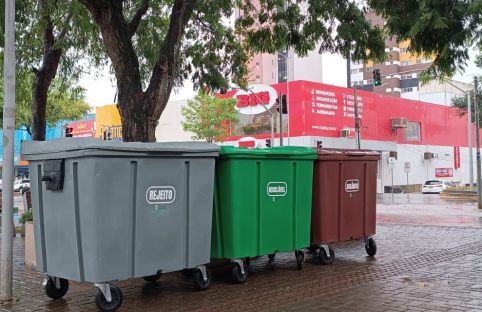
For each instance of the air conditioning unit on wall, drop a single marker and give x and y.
(399, 122)
(428, 155)
(345, 133)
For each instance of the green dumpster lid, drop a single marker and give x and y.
(69, 147)
(285, 151)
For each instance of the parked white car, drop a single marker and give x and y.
(434, 186)
(21, 184)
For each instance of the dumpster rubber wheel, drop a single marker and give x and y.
(371, 247)
(53, 292)
(152, 278)
(188, 272)
(236, 274)
(105, 306)
(271, 256)
(324, 259)
(300, 257)
(199, 282)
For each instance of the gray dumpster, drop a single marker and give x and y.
(106, 210)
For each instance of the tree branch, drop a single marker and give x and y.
(141, 11)
(63, 32)
(48, 34)
(162, 79)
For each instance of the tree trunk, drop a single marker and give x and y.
(140, 110)
(43, 80)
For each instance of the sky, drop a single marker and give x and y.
(101, 91)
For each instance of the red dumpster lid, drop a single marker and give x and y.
(355, 154)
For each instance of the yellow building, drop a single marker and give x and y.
(108, 123)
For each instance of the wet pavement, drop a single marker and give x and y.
(429, 259)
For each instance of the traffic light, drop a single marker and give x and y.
(268, 142)
(68, 132)
(283, 104)
(377, 78)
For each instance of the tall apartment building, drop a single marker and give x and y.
(400, 72)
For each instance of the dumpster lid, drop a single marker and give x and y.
(336, 152)
(35, 149)
(285, 151)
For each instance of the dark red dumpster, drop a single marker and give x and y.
(344, 199)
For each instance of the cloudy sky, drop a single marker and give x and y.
(101, 91)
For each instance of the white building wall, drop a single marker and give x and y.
(169, 128)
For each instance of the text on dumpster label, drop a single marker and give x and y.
(277, 189)
(160, 195)
(352, 185)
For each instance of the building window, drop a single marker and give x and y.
(369, 69)
(360, 70)
(354, 71)
(412, 132)
(403, 50)
(370, 81)
(404, 77)
(419, 61)
(405, 90)
(406, 63)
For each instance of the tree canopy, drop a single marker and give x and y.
(65, 102)
(446, 29)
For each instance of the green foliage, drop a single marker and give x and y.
(445, 29)
(460, 103)
(209, 117)
(65, 101)
(26, 216)
(334, 25)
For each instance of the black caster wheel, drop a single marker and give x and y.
(300, 257)
(324, 259)
(236, 274)
(56, 293)
(371, 247)
(199, 282)
(105, 306)
(153, 278)
(271, 256)
(187, 272)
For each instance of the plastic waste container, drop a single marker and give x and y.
(106, 210)
(344, 199)
(262, 204)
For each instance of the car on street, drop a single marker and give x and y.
(434, 186)
(21, 184)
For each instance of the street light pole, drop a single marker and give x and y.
(357, 119)
(469, 129)
(6, 253)
(477, 136)
(469, 134)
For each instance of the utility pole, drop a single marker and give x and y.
(6, 255)
(280, 109)
(477, 136)
(357, 119)
(469, 134)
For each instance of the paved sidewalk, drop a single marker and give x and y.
(419, 267)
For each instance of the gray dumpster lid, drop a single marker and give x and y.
(76, 147)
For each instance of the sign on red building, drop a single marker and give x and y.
(83, 129)
(444, 172)
(456, 157)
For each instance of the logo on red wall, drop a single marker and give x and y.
(444, 172)
(251, 102)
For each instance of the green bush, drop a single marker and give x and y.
(27, 216)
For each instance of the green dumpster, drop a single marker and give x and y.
(262, 204)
